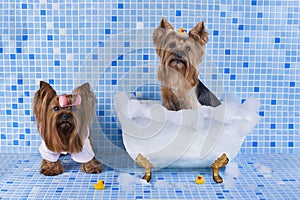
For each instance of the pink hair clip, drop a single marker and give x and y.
(63, 102)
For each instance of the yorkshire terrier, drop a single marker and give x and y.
(180, 55)
(63, 122)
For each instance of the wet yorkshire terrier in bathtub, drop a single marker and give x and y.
(63, 122)
(180, 55)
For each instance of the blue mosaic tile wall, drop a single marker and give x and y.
(253, 50)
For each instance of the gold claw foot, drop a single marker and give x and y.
(146, 164)
(217, 165)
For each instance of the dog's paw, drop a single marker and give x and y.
(92, 167)
(51, 168)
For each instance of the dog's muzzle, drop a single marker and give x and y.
(178, 61)
(65, 123)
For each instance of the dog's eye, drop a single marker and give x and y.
(56, 108)
(187, 48)
(172, 45)
(74, 108)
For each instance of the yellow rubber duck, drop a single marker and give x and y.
(100, 185)
(181, 30)
(200, 179)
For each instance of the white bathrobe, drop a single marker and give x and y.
(84, 156)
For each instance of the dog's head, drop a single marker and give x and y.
(63, 120)
(180, 54)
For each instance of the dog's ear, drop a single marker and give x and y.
(88, 97)
(159, 33)
(165, 24)
(199, 34)
(41, 101)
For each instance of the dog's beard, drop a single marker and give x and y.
(178, 63)
(65, 127)
(172, 79)
(63, 133)
(174, 72)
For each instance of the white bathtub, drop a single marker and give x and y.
(185, 138)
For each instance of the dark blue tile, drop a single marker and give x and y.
(145, 57)
(113, 82)
(259, 15)
(273, 102)
(272, 144)
(12, 56)
(56, 63)
(272, 126)
(43, 12)
(292, 84)
(114, 63)
(25, 37)
(287, 65)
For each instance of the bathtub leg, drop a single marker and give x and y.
(217, 165)
(146, 164)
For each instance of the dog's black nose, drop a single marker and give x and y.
(180, 53)
(66, 116)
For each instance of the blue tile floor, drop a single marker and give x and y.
(20, 179)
